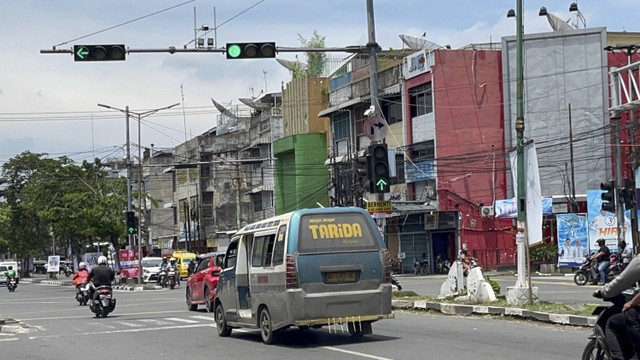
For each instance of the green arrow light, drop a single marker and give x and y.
(234, 51)
(381, 183)
(82, 52)
(131, 230)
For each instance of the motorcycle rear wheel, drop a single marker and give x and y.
(424, 270)
(580, 278)
(592, 351)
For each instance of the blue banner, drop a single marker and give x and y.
(508, 208)
(572, 239)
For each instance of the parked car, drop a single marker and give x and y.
(40, 266)
(150, 268)
(201, 285)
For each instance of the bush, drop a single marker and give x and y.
(543, 253)
(494, 285)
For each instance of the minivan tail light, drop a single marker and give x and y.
(292, 273)
(386, 258)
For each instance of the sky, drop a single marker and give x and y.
(48, 102)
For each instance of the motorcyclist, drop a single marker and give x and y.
(101, 275)
(623, 330)
(163, 269)
(10, 273)
(602, 256)
(174, 264)
(82, 275)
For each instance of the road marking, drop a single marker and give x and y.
(173, 327)
(202, 317)
(11, 339)
(182, 320)
(156, 322)
(355, 353)
(119, 314)
(129, 324)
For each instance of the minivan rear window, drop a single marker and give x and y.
(335, 233)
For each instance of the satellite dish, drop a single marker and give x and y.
(416, 43)
(291, 65)
(558, 24)
(223, 110)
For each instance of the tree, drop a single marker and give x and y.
(316, 61)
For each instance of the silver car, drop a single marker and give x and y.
(150, 268)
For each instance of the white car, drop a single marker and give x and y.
(5, 266)
(150, 268)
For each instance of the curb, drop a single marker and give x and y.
(461, 309)
(70, 283)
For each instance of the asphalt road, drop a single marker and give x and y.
(155, 324)
(550, 288)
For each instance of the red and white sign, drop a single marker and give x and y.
(376, 128)
(129, 263)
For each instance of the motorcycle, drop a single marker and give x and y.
(422, 267)
(162, 274)
(103, 302)
(66, 270)
(82, 292)
(442, 265)
(12, 284)
(395, 282)
(596, 347)
(171, 277)
(589, 273)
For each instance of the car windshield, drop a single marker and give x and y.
(151, 262)
(3, 268)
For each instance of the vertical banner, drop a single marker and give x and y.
(129, 263)
(572, 239)
(534, 198)
(91, 259)
(604, 224)
(54, 264)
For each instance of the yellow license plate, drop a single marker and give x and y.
(341, 277)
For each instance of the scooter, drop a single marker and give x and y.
(596, 347)
(442, 265)
(12, 284)
(171, 277)
(66, 270)
(82, 292)
(422, 267)
(103, 302)
(162, 274)
(588, 272)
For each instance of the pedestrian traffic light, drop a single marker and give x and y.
(378, 168)
(132, 222)
(608, 197)
(99, 52)
(251, 50)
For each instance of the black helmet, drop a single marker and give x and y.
(600, 242)
(623, 244)
(10, 267)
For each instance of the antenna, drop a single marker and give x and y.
(416, 43)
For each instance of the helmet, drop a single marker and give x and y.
(164, 259)
(102, 260)
(173, 259)
(623, 244)
(10, 267)
(600, 242)
(82, 265)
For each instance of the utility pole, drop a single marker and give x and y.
(522, 292)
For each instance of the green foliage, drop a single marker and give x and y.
(494, 285)
(316, 61)
(543, 252)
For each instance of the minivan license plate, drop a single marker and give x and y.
(341, 277)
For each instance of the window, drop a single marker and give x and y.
(204, 263)
(262, 251)
(335, 233)
(232, 254)
(421, 100)
(423, 151)
(256, 199)
(278, 250)
(341, 126)
(392, 110)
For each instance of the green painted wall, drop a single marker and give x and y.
(301, 176)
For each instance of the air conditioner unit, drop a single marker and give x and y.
(486, 211)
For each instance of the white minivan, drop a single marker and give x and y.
(307, 268)
(6, 264)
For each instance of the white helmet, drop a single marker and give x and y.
(82, 265)
(102, 260)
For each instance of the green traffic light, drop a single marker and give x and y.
(234, 51)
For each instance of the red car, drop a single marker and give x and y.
(201, 285)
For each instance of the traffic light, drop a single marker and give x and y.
(251, 50)
(132, 222)
(99, 52)
(378, 168)
(628, 195)
(608, 197)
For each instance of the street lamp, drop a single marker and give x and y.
(140, 116)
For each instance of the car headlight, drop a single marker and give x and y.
(146, 271)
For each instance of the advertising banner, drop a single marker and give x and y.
(129, 263)
(508, 208)
(54, 264)
(604, 224)
(572, 239)
(91, 259)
